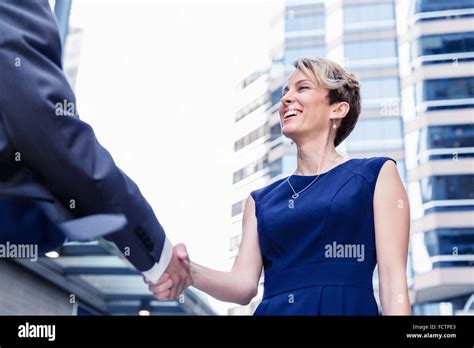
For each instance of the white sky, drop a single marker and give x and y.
(157, 81)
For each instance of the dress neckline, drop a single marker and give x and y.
(330, 170)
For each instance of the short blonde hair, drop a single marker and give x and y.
(342, 85)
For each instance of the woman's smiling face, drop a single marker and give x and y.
(304, 107)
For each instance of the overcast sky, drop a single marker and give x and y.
(157, 82)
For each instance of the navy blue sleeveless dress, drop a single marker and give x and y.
(318, 250)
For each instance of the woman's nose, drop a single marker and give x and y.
(287, 99)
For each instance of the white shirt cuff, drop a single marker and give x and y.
(155, 273)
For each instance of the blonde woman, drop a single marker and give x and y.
(319, 233)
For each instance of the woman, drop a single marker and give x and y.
(319, 233)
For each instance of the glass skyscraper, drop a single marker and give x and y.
(436, 54)
(414, 60)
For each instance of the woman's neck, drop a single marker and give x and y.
(310, 157)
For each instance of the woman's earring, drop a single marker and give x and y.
(334, 124)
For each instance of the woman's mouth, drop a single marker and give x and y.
(290, 114)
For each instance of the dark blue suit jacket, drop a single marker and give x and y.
(56, 180)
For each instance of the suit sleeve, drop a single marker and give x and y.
(37, 107)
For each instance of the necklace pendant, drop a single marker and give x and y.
(296, 195)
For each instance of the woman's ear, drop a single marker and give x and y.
(341, 109)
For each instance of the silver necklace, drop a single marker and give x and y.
(297, 194)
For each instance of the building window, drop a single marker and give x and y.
(445, 142)
(441, 5)
(275, 168)
(378, 88)
(275, 132)
(361, 17)
(285, 165)
(300, 21)
(235, 242)
(444, 44)
(378, 51)
(251, 137)
(254, 105)
(368, 12)
(276, 96)
(450, 241)
(250, 169)
(293, 53)
(372, 134)
(446, 89)
(370, 49)
(452, 136)
(238, 207)
(251, 78)
(446, 187)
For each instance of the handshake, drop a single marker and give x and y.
(176, 278)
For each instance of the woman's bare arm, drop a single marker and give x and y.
(392, 228)
(240, 284)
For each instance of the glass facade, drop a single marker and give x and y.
(293, 53)
(457, 140)
(444, 44)
(284, 165)
(275, 132)
(447, 187)
(368, 17)
(276, 96)
(238, 207)
(368, 13)
(251, 107)
(449, 241)
(446, 89)
(460, 135)
(371, 134)
(297, 21)
(376, 92)
(251, 137)
(370, 49)
(250, 169)
(441, 5)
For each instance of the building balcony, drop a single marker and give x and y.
(442, 283)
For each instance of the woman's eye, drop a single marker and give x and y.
(303, 87)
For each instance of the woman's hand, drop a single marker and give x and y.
(175, 279)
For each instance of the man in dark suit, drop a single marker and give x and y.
(57, 183)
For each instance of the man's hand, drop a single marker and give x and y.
(176, 278)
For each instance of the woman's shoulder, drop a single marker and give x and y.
(376, 163)
(369, 167)
(372, 160)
